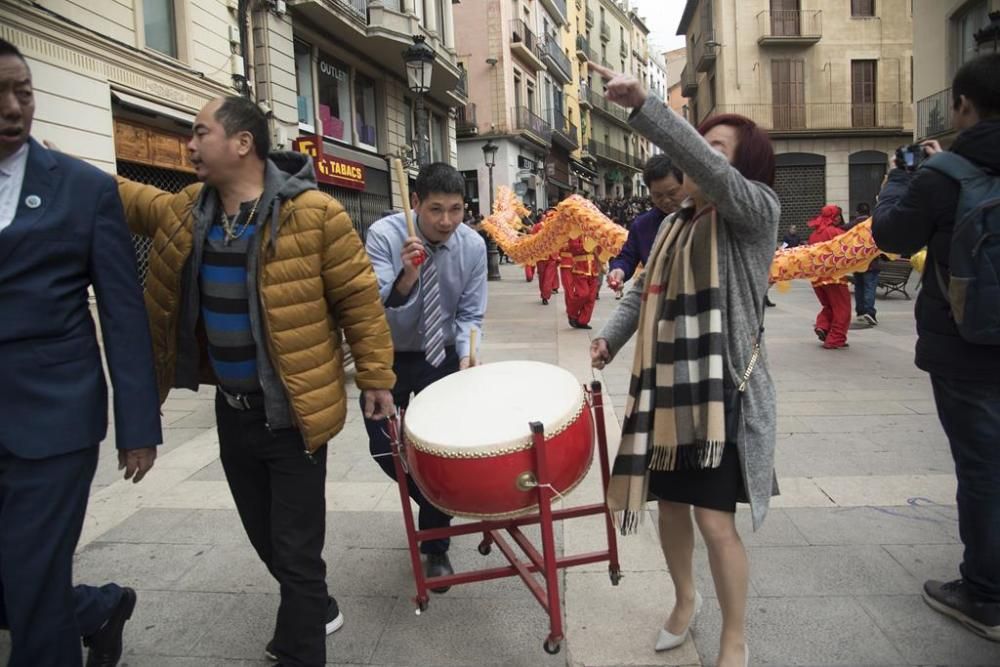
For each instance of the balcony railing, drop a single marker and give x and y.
(585, 96)
(583, 50)
(524, 40)
(689, 81)
(563, 131)
(641, 51)
(704, 51)
(623, 50)
(465, 121)
(559, 6)
(358, 7)
(789, 27)
(822, 116)
(598, 101)
(934, 115)
(462, 87)
(525, 119)
(602, 150)
(589, 15)
(605, 30)
(559, 64)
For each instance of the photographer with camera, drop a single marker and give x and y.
(949, 201)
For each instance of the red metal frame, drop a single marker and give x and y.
(546, 562)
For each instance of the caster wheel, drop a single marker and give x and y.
(421, 606)
(485, 548)
(616, 578)
(551, 647)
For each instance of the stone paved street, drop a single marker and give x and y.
(866, 514)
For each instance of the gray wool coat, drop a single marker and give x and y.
(749, 212)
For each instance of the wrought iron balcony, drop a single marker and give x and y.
(525, 44)
(689, 82)
(589, 16)
(466, 124)
(599, 103)
(557, 7)
(527, 121)
(789, 27)
(934, 115)
(462, 88)
(705, 51)
(605, 31)
(583, 50)
(821, 116)
(564, 132)
(604, 152)
(559, 65)
(623, 49)
(585, 102)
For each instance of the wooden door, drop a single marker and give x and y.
(788, 90)
(863, 87)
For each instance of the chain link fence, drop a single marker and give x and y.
(165, 179)
(802, 192)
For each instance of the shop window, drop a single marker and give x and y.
(304, 85)
(334, 96)
(364, 109)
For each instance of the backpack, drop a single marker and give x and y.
(973, 284)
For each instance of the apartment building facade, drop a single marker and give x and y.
(829, 79)
(949, 33)
(675, 62)
(120, 84)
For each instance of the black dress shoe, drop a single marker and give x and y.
(583, 326)
(573, 323)
(106, 644)
(438, 565)
(545, 302)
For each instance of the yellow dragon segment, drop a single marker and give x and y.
(851, 252)
(573, 218)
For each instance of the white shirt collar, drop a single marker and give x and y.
(13, 163)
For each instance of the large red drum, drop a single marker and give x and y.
(469, 444)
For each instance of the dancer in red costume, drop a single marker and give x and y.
(835, 317)
(581, 284)
(548, 271)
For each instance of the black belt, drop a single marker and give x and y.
(242, 402)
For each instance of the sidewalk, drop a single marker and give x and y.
(866, 514)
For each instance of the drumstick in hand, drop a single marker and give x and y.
(404, 194)
(472, 347)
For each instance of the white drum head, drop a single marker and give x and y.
(488, 408)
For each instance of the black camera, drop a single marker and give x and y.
(910, 157)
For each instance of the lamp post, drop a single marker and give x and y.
(492, 256)
(419, 60)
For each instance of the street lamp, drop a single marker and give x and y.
(419, 60)
(492, 256)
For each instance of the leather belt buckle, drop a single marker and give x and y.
(236, 401)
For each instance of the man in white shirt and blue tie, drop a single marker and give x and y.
(432, 308)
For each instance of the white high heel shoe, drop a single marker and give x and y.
(668, 640)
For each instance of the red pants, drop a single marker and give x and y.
(529, 272)
(580, 298)
(548, 278)
(836, 314)
(566, 278)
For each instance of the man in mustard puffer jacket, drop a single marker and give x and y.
(252, 278)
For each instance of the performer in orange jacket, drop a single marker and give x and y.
(548, 271)
(580, 282)
(834, 296)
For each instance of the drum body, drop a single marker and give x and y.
(469, 444)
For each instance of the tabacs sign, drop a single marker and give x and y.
(329, 169)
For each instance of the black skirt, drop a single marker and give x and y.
(712, 488)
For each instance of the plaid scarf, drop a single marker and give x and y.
(675, 415)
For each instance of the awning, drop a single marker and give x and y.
(145, 106)
(581, 169)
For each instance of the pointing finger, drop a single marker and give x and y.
(605, 72)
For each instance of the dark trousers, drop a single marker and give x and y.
(42, 505)
(413, 374)
(970, 415)
(865, 287)
(280, 494)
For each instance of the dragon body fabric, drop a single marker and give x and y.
(576, 217)
(573, 218)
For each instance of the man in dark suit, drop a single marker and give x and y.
(62, 230)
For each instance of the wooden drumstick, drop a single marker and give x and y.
(472, 347)
(404, 194)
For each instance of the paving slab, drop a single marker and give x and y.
(827, 571)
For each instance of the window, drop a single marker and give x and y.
(365, 112)
(441, 8)
(334, 93)
(785, 18)
(531, 97)
(517, 90)
(965, 24)
(408, 120)
(304, 85)
(160, 26)
(863, 87)
(439, 135)
(862, 8)
(788, 92)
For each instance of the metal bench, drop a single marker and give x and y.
(893, 276)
